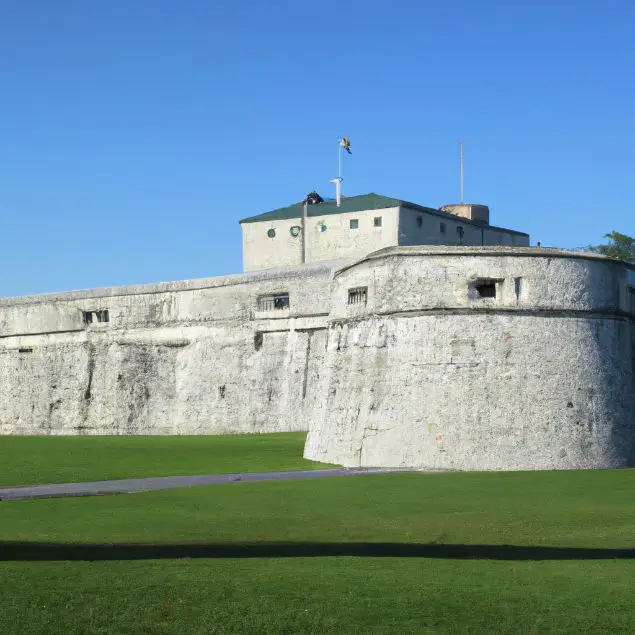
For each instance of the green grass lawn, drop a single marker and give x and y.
(29, 460)
(411, 553)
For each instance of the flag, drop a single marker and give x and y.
(345, 142)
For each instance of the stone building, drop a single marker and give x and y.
(478, 355)
(361, 224)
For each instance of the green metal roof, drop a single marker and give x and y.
(347, 204)
(358, 204)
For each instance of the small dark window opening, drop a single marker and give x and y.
(271, 233)
(460, 231)
(258, 337)
(486, 288)
(419, 221)
(358, 295)
(25, 349)
(96, 316)
(442, 228)
(517, 288)
(377, 221)
(354, 224)
(273, 302)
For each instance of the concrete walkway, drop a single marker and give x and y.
(136, 485)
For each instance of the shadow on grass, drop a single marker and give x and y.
(39, 551)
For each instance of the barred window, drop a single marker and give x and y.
(273, 302)
(358, 295)
(91, 317)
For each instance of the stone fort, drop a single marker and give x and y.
(395, 334)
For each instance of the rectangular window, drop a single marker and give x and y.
(25, 349)
(91, 317)
(442, 228)
(273, 302)
(484, 288)
(377, 221)
(354, 223)
(358, 295)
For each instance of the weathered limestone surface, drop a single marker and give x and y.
(177, 358)
(425, 372)
(428, 374)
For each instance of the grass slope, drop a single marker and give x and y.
(417, 553)
(31, 460)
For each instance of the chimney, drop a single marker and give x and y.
(472, 211)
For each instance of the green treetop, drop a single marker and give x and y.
(619, 246)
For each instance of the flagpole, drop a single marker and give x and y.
(339, 158)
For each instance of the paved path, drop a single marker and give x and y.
(134, 485)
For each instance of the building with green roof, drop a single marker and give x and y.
(316, 229)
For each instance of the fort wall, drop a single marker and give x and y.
(195, 357)
(538, 377)
(426, 357)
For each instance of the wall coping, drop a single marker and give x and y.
(489, 252)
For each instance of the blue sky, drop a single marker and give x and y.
(135, 134)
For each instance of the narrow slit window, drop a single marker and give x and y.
(377, 221)
(25, 349)
(354, 224)
(273, 302)
(358, 295)
(518, 287)
(442, 228)
(419, 221)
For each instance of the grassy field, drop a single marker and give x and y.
(29, 460)
(411, 553)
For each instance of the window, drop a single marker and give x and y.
(485, 288)
(460, 231)
(419, 221)
(518, 288)
(25, 349)
(273, 302)
(377, 221)
(92, 317)
(295, 231)
(354, 223)
(442, 228)
(271, 233)
(358, 295)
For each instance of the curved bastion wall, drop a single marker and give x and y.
(478, 359)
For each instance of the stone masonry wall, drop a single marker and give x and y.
(180, 358)
(429, 374)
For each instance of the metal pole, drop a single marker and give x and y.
(462, 197)
(304, 215)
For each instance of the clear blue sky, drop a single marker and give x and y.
(134, 134)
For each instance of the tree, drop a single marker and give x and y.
(619, 246)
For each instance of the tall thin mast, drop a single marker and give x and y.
(462, 197)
